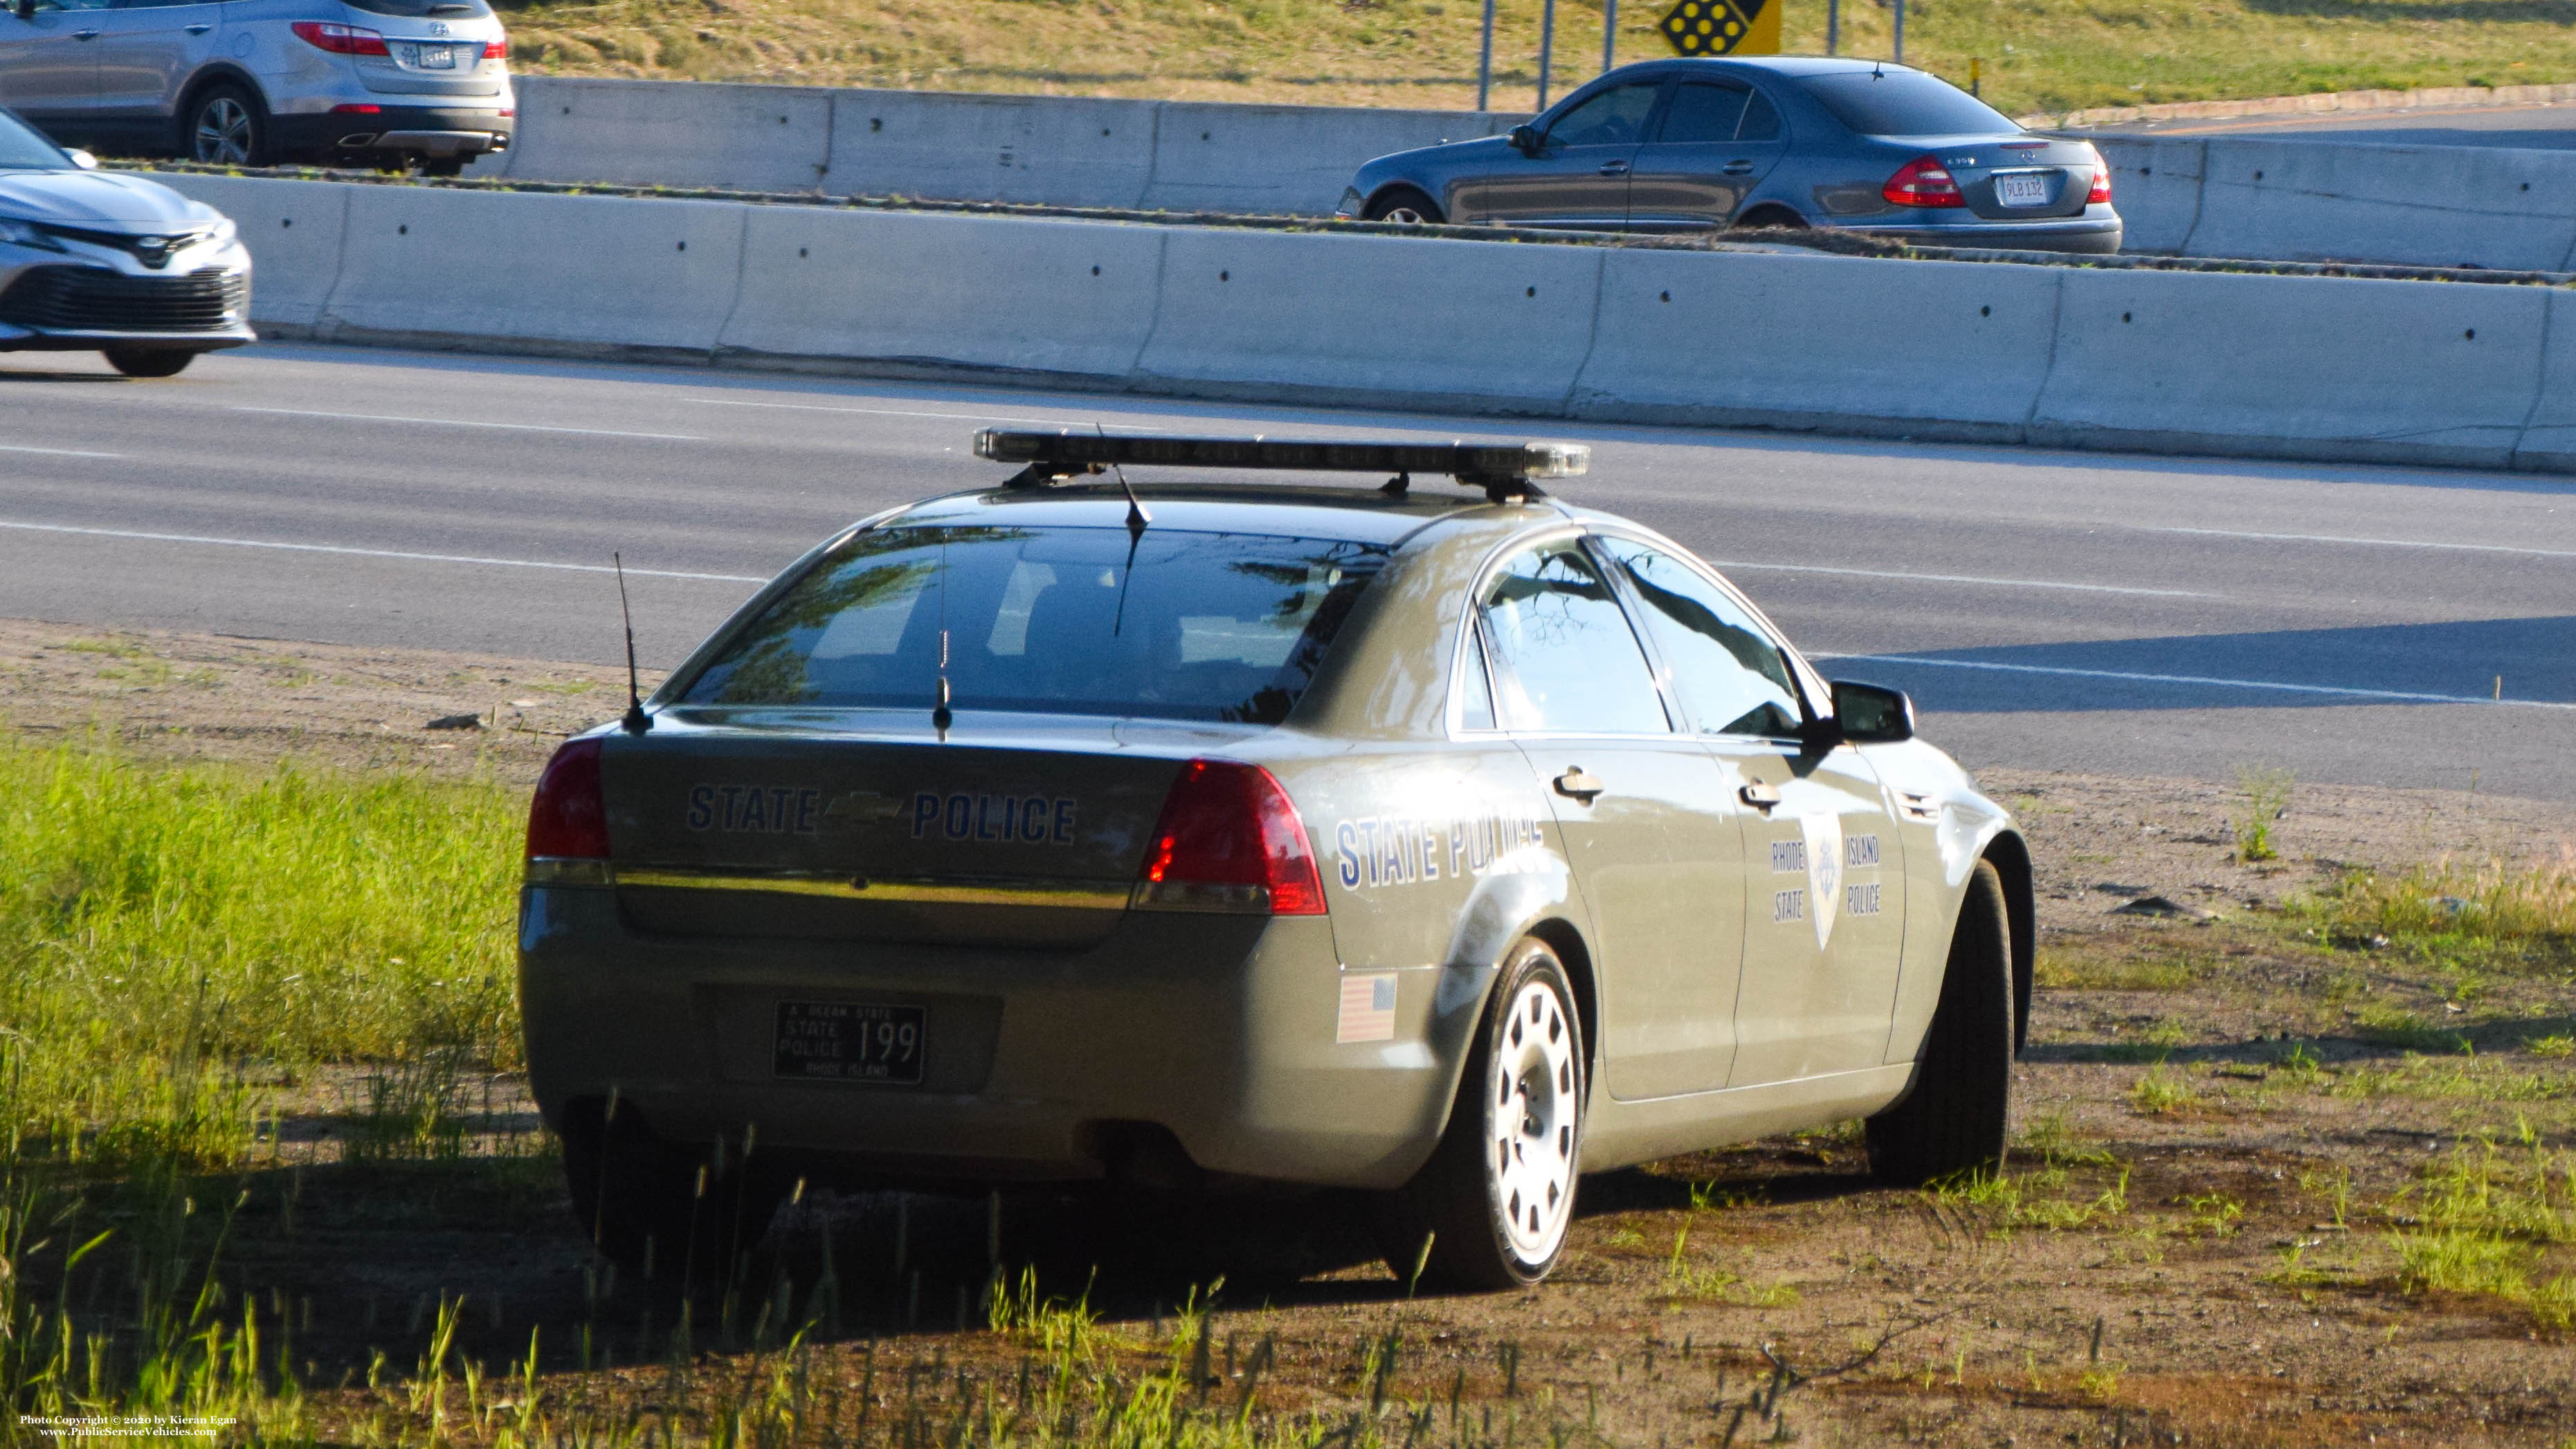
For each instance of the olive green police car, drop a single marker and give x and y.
(1440, 844)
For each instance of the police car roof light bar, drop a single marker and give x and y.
(1506, 472)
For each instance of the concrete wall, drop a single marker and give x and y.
(2267, 366)
(958, 146)
(2278, 199)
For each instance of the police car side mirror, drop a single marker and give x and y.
(1871, 714)
(1525, 139)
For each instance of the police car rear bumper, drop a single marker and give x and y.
(1040, 1065)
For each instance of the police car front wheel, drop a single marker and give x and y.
(1496, 1199)
(1953, 1122)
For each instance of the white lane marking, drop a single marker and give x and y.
(464, 423)
(1967, 579)
(729, 402)
(2393, 695)
(454, 558)
(58, 452)
(2374, 542)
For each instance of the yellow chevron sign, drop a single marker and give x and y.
(1723, 27)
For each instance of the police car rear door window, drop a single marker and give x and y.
(1566, 660)
(1905, 103)
(1171, 624)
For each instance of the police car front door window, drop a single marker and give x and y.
(1729, 674)
(1565, 660)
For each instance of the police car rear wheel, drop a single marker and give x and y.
(662, 1210)
(1497, 1197)
(1953, 1122)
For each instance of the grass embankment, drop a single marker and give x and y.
(194, 957)
(2037, 55)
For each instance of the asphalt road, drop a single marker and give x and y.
(2545, 127)
(2133, 615)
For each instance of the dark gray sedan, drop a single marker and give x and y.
(1689, 145)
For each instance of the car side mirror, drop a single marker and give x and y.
(82, 159)
(1872, 714)
(1525, 138)
(26, 9)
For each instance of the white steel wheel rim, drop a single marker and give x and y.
(1533, 1102)
(1403, 216)
(223, 131)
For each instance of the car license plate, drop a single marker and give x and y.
(438, 57)
(2023, 189)
(835, 1041)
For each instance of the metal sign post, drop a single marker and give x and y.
(1546, 49)
(1609, 35)
(1899, 57)
(1833, 23)
(1485, 62)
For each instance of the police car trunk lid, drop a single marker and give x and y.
(1018, 837)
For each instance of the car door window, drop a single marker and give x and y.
(1702, 113)
(1615, 117)
(1761, 120)
(1729, 674)
(1565, 659)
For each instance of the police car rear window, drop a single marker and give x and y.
(1169, 624)
(1906, 103)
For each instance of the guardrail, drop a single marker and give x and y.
(2131, 358)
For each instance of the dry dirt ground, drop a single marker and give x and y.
(2225, 1125)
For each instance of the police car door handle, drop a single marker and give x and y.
(1760, 796)
(1574, 784)
(1614, 168)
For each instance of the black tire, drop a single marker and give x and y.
(1497, 1196)
(148, 361)
(1778, 218)
(663, 1210)
(1404, 206)
(1954, 1119)
(225, 125)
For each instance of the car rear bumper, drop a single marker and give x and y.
(1220, 1031)
(2089, 235)
(433, 131)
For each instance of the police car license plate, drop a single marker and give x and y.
(2024, 189)
(838, 1041)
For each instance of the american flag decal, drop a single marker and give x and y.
(1368, 1009)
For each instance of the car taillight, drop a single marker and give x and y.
(569, 820)
(338, 39)
(497, 49)
(357, 110)
(1923, 181)
(1229, 840)
(2101, 192)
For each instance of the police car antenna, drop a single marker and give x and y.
(636, 721)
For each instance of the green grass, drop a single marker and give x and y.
(175, 938)
(2037, 55)
(2466, 918)
(2495, 1220)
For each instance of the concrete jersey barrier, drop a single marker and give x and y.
(959, 145)
(2227, 363)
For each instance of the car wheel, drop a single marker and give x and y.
(657, 1208)
(148, 361)
(1775, 217)
(1497, 1197)
(1404, 206)
(1953, 1121)
(226, 128)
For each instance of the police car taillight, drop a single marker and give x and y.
(568, 821)
(1923, 181)
(1229, 840)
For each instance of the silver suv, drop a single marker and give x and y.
(251, 82)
